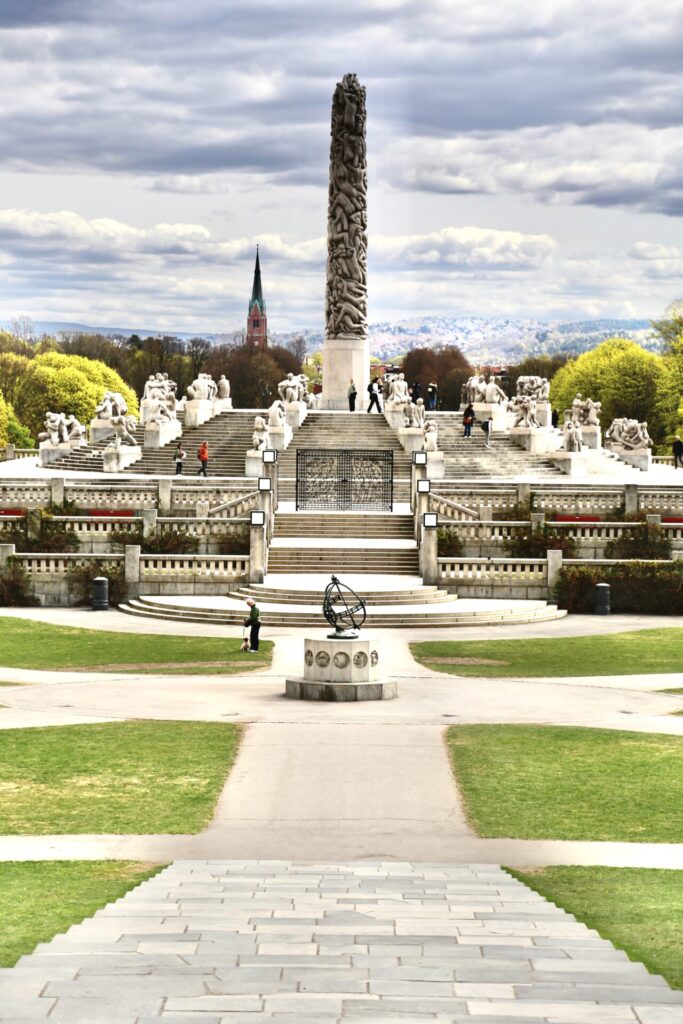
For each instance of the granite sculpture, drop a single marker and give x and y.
(534, 387)
(431, 436)
(628, 434)
(260, 439)
(124, 427)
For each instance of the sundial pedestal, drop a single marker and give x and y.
(340, 670)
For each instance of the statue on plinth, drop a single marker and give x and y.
(577, 408)
(524, 409)
(112, 404)
(290, 389)
(474, 389)
(75, 429)
(202, 388)
(627, 433)
(223, 387)
(260, 439)
(494, 394)
(419, 413)
(573, 438)
(534, 387)
(276, 414)
(431, 436)
(124, 427)
(56, 430)
(398, 391)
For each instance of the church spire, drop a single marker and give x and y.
(257, 322)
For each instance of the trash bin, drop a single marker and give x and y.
(100, 594)
(602, 599)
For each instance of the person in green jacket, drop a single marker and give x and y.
(254, 622)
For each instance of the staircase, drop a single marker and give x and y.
(469, 458)
(228, 436)
(346, 431)
(88, 458)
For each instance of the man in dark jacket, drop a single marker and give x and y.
(254, 622)
(677, 452)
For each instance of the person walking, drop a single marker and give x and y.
(353, 391)
(203, 456)
(415, 391)
(487, 427)
(468, 420)
(555, 419)
(254, 623)
(677, 452)
(373, 391)
(180, 456)
(432, 395)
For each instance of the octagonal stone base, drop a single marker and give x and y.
(341, 670)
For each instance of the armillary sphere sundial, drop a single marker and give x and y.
(344, 610)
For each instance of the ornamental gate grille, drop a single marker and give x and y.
(342, 480)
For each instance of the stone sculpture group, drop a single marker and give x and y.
(524, 408)
(202, 388)
(62, 429)
(260, 439)
(113, 404)
(585, 411)
(294, 388)
(628, 434)
(159, 403)
(534, 387)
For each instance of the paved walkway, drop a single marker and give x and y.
(240, 942)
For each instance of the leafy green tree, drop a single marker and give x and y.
(11, 430)
(12, 369)
(70, 384)
(626, 379)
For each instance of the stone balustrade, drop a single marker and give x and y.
(516, 578)
(10, 453)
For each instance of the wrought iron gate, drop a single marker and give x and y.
(340, 480)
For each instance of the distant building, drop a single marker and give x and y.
(257, 320)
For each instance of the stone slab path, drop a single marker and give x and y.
(230, 942)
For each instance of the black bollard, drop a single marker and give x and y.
(100, 594)
(602, 599)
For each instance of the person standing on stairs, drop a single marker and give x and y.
(254, 623)
(487, 427)
(468, 420)
(203, 456)
(179, 457)
(373, 391)
(352, 396)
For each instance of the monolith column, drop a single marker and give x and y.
(346, 353)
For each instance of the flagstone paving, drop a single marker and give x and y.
(245, 941)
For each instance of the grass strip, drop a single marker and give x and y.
(25, 643)
(114, 777)
(40, 899)
(610, 654)
(559, 782)
(640, 910)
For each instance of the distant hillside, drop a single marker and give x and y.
(482, 339)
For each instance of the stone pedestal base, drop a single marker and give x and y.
(296, 413)
(395, 418)
(572, 463)
(100, 430)
(534, 440)
(411, 438)
(159, 434)
(280, 437)
(544, 413)
(497, 412)
(341, 670)
(115, 460)
(49, 452)
(436, 465)
(592, 438)
(641, 458)
(253, 463)
(198, 411)
(222, 405)
(345, 357)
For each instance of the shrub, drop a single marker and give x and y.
(233, 543)
(448, 542)
(528, 543)
(644, 541)
(168, 541)
(80, 581)
(520, 510)
(15, 588)
(640, 587)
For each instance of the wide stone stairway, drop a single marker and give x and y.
(468, 457)
(228, 436)
(236, 942)
(345, 431)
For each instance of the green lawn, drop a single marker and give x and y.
(615, 654)
(640, 910)
(555, 782)
(42, 898)
(121, 777)
(28, 644)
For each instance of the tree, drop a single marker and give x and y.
(24, 328)
(197, 350)
(11, 430)
(10, 343)
(253, 373)
(70, 384)
(297, 346)
(446, 365)
(626, 379)
(12, 369)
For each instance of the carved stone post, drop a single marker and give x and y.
(131, 570)
(554, 563)
(258, 551)
(149, 522)
(346, 354)
(6, 552)
(429, 559)
(164, 485)
(631, 500)
(57, 490)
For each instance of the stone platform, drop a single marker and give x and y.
(340, 670)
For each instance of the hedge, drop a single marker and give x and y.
(648, 588)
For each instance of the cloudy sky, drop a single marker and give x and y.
(525, 159)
